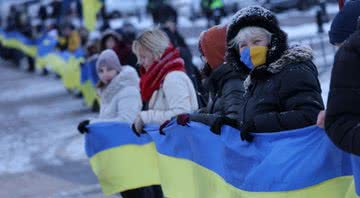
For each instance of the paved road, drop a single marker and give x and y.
(41, 151)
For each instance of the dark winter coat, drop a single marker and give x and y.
(163, 13)
(284, 95)
(122, 48)
(226, 96)
(342, 122)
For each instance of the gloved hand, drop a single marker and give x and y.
(183, 119)
(82, 126)
(246, 128)
(223, 120)
(163, 126)
(138, 126)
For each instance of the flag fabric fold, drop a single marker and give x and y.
(193, 162)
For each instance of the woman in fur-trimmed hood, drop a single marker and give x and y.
(282, 88)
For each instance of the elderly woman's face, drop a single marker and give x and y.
(146, 58)
(256, 40)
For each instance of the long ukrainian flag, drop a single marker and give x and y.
(20, 42)
(119, 159)
(195, 163)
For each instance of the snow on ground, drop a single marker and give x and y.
(38, 121)
(304, 30)
(332, 8)
(325, 84)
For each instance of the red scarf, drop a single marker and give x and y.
(341, 4)
(152, 79)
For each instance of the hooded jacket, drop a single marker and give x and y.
(120, 100)
(225, 84)
(282, 94)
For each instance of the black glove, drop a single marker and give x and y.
(163, 126)
(183, 119)
(82, 126)
(135, 132)
(245, 131)
(220, 121)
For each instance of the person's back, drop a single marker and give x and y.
(342, 120)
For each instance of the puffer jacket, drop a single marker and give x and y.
(285, 92)
(121, 99)
(342, 121)
(226, 96)
(175, 96)
(284, 95)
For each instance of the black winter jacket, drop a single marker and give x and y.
(284, 95)
(342, 121)
(226, 92)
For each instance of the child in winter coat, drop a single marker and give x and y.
(120, 98)
(118, 90)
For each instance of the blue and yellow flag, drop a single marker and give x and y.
(90, 10)
(123, 161)
(18, 41)
(192, 162)
(88, 81)
(46, 45)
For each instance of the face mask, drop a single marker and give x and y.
(253, 56)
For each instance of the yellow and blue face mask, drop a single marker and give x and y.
(253, 56)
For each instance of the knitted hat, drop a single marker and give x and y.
(256, 16)
(213, 45)
(108, 58)
(344, 22)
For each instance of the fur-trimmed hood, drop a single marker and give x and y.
(128, 77)
(295, 54)
(259, 17)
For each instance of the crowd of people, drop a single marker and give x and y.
(252, 79)
(256, 81)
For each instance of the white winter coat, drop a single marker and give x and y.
(121, 99)
(175, 96)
